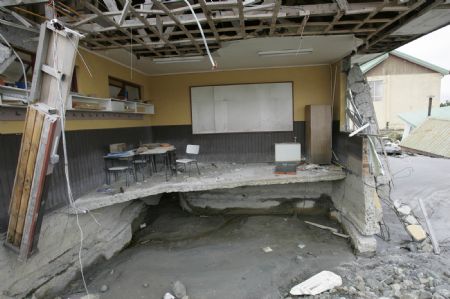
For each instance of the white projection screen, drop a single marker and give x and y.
(242, 108)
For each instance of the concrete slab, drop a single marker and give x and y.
(213, 176)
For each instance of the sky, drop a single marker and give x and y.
(434, 48)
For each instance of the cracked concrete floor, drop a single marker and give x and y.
(220, 257)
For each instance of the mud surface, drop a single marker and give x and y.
(222, 256)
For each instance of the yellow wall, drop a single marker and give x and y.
(171, 93)
(97, 85)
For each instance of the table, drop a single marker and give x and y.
(127, 156)
(167, 152)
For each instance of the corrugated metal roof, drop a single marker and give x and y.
(374, 62)
(432, 138)
(367, 66)
(415, 118)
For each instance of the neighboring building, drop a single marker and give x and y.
(414, 119)
(431, 138)
(401, 83)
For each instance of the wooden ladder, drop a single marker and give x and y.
(52, 77)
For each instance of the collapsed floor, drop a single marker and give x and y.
(222, 256)
(223, 253)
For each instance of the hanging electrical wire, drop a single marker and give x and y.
(213, 63)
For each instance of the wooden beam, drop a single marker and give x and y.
(336, 18)
(179, 24)
(343, 4)
(4, 3)
(400, 15)
(211, 24)
(302, 26)
(241, 18)
(273, 23)
(371, 15)
(155, 31)
(99, 13)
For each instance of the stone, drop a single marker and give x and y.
(104, 288)
(91, 296)
(410, 219)
(425, 295)
(396, 288)
(179, 289)
(444, 292)
(168, 296)
(408, 296)
(437, 296)
(416, 232)
(145, 285)
(404, 210)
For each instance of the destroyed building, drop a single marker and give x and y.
(237, 78)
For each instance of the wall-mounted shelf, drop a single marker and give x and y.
(13, 96)
(85, 103)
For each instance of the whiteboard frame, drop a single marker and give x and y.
(228, 84)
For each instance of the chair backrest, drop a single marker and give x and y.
(192, 149)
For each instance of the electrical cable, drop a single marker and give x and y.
(213, 63)
(66, 161)
(20, 60)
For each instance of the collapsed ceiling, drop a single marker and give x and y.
(169, 28)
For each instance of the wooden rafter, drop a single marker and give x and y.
(336, 18)
(241, 18)
(273, 23)
(99, 13)
(179, 24)
(211, 24)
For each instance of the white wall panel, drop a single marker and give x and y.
(242, 108)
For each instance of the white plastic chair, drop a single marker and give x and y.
(191, 151)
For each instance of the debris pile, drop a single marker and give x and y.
(404, 276)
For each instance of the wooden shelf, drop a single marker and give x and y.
(79, 102)
(13, 96)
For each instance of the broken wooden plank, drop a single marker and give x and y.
(43, 159)
(20, 173)
(334, 230)
(37, 130)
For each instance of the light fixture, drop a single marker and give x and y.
(290, 52)
(180, 59)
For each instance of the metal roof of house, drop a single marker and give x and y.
(374, 62)
(417, 117)
(431, 138)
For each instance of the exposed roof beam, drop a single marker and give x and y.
(273, 23)
(343, 4)
(99, 13)
(336, 18)
(178, 23)
(241, 18)
(151, 28)
(211, 24)
(5, 3)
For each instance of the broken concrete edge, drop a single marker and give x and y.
(56, 264)
(363, 245)
(103, 201)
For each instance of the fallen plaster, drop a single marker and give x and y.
(220, 177)
(55, 264)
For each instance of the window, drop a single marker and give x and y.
(376, 90)
(119, 89)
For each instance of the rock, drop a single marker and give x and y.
(179, 290)
(426, 247)
(396, 288)
(410, 219)
(360, 285)
(437, 296)
(404, 210)
(444, 292)
(91, 296)
(416, 232)
(408, 296)
(104, 288)
(145, 285)
(185, 297)
(111, 272)
(168, 296)
(425, 295)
